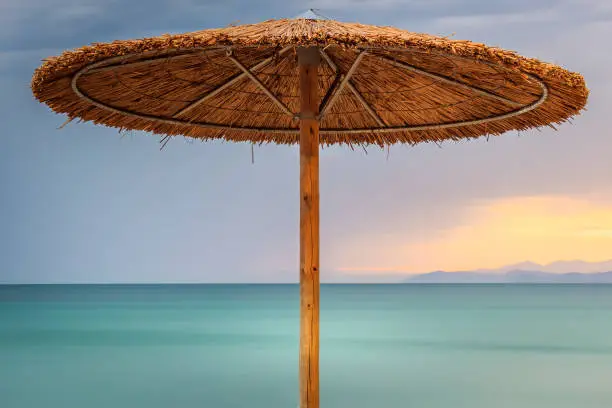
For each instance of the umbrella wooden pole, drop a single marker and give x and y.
(308, 61)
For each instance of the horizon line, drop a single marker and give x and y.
(295, 283)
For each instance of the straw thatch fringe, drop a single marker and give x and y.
(190, 85)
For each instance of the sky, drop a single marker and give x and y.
(84, 204)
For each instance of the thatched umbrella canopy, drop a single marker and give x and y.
(310, 81)
(381, 85)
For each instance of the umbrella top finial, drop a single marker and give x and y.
(311, 14)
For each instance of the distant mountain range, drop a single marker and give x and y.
(525, 272)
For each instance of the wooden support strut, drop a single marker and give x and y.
(357, 94)
(308, 61)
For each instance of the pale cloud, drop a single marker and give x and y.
(493, 233)
(495, 20)
(583, 47)
(11, 59)
(597, 6)
(15, 12)
(597, 232)
(370, 4)
(566, 11)
(40, 20)
(75, 11)
(32, 24)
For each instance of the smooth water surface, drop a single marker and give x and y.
(225, 346)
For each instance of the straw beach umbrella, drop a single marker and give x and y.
(308, 81)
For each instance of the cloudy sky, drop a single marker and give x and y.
(83, 204)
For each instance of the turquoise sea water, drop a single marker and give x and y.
(217, 346)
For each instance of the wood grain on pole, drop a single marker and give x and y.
(308, 60)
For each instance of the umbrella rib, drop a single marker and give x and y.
(341, 86)
(261, 86)
(350, 85)
(331, 90)
(450, 81)
(227, 84)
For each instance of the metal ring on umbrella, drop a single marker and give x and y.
(108, 64)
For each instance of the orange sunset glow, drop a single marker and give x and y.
(496, 233)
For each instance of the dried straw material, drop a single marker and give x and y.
(378, 85)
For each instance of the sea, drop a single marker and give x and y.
(226, 346)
